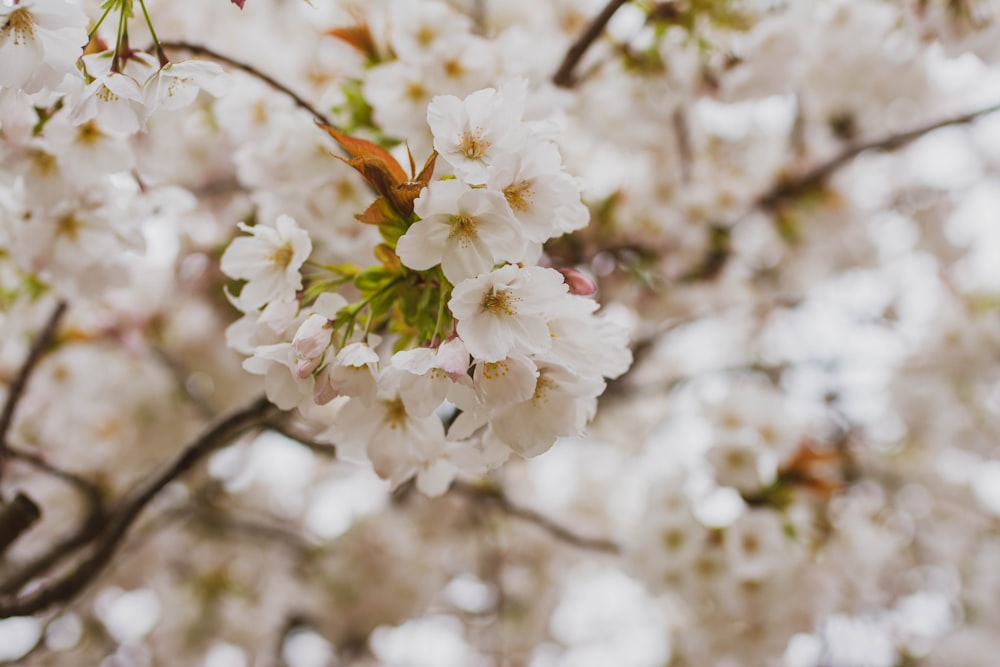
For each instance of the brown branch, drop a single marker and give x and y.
(16, 517)
(216, 520)
(199, 50)
(291, 432)
(94, 517)
(564, 75)
(128, 509)
(790, 188)
(20, 384)
(494, 495)
(84, 486)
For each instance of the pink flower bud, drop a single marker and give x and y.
(578, 283)
(453, 358)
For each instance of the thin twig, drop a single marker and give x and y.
(88, 528)
(282, 426)
(17, 388)
(200, 50)
(564, 75)
(37, 461)
(791, 188)
(128, 509)
(495, 496)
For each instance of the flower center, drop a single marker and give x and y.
(426, 35)
(22, 24)
(543, 385)
(68, 226)
(453, 68)
(282, 257)
(499, 302)
(415, 92)
(463, 228)
(106, 95)
(519, 195)
(493, 370)
(473, 145)
(395, 412)
(89, 133)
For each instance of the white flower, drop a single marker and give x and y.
(541, 196)
(503, 312)
(86, 152)
(399, 93)
(737, 465)
(588, 345)
(353, 372)
(282, 383)
(397, 442)
(115, 99)
(40, 42)
(269, 261)
(755, 545)
(561, 405)
(467, 231)
(176, 85)
(471, 133)
(417, 28)
(419, 379)
(453, 358)
(509, 380)
(314, 335)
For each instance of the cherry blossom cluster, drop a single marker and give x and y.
(790, 203)
(514, 350)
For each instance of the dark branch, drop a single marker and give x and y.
(128, 509)
(198, 49)
(292, 432)
(37, 461)
(789, 189)
(495, 496)
(16, 517)
(89, 526)
(564, 75)
(20, 384)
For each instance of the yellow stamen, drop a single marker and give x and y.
(519, 195)
(499, 302)
(22, 24)
(473, 145)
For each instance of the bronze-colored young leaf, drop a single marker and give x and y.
(372, 154)
(357, 36)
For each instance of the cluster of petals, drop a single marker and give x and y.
(528, 356)
(538, 354)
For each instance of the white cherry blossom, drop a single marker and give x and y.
(473, 132)
(176, 85)
(467, 231)
(269, 260)
(40, 43)
(503, 312)
(544, 199)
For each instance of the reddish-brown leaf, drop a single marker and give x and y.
(359, 37)
(374, 156)
(425, 174)
(378, 213)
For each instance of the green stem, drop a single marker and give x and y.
(116, 63)
(441, 306)
(152, 33)
(361, 306)
(90, 35)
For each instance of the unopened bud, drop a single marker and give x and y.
(578, 283)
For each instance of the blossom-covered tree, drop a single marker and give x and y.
(434, 333)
